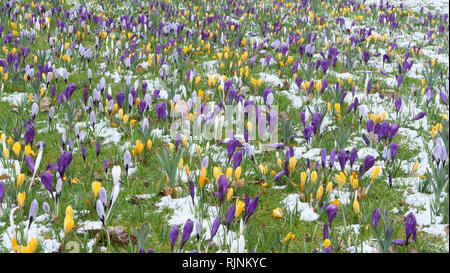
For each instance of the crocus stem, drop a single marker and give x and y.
(107, 236)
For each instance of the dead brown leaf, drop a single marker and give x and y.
(362, 192)
(45, 104)
(446, 230)
(4, 177)
(240, 182)
(414, 250)
(117, 234)
(165, 191)
(310, 96)
(284, 116)
(140, 69)
(393, 249)
(285, 86)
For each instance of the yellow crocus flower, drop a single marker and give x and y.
(319, 193)
(230, 192)
(237, 173)
(239, 207)
(277, 213)
(20, 180)
(16, 148)
(375, 172)
(96, 188)
(356, 206)
(21, 199)
(313, 177)
(289, 237)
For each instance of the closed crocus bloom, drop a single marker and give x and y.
(279, 163)
(216, 173)
(201, 181)
(186, 168)
(27, 150)
(375, 172)
(239, 208)
(319, 193)
(327, 243)
(68, 224)
(329, 187)
(229, 173)
(185, 142)
(139, 147)
(69, 210)
(237, 173)
(96, 188)
(303, 177)
(187, 230)
(203, 172)
(376, 217)
(313, 177)
(21, 199)
(356, 206)
(416, 167)
(20, 180)
(149, 145)
(16, 149)
(173, 235)
(230, 192)
(277, 213)
(180, 164)
(292, 163)
(354, 182)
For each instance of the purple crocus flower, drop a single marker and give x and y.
(47, 181)
(105, 165)
(342, 158)
(323, 157)
(2, 193)
(393, 150)
(369, 125)
(33, 212)
(214, 229)
(332, 211)
(410, 227)
(278, 175)
(325, 231)
(398, 104)
(30, 163)
(173, 235)
(443, 98)
(29, 133)
(353, 156)
(368, 163)
(161, 110)
(192, 190)
(376, 215)
(418, 116)
(223, 185)
(251, 207)
(83, 152)
(98, 148)
(230, 215)
(187, 230)
(100, 211)
(127, 160)
(332, 157)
